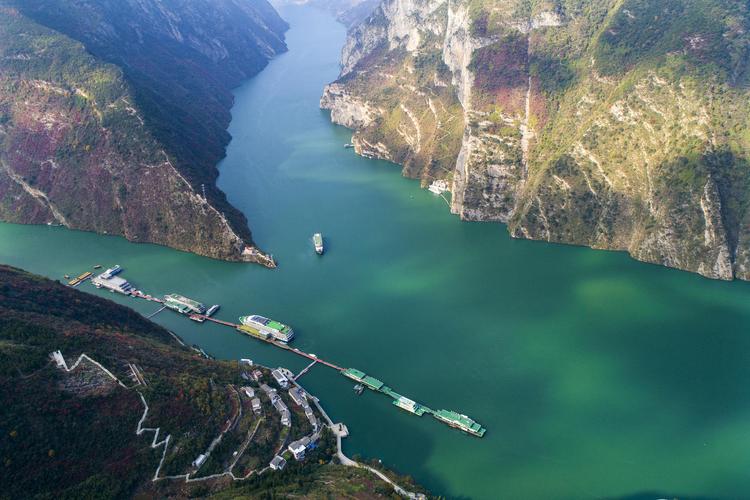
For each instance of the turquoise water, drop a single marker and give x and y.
(595, 375)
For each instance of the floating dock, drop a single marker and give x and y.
(411, 406)
(459, 421)
(449, 417)
(80, 279)
(184, 305)
(197, 312)
(113, 283)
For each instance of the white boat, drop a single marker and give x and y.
(265, 326)
(318, 242)
(438, 187)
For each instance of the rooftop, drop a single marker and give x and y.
(372, 382)
(278, 462)
(354, 373)
(183, 300)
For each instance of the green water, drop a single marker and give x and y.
(596, 376)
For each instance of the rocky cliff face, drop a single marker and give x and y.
(577, 122)
(113, 115)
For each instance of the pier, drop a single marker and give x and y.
(278, 344)
(305, 370)
(156, 312)
(448, 417)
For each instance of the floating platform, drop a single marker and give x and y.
(451, 418)
(363, 378)
(80, 279)
(411, 406)
(109, 280)
(460, 421)
(183, 305)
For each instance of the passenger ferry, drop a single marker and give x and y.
(318, 242)
(278, 331)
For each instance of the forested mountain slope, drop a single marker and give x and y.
(113, 115)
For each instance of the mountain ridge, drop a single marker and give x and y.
(151, 94)
(571, 122)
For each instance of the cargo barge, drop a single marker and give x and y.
(80, 279)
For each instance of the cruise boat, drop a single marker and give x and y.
(278, 331)
(318, 242)
(109, 273)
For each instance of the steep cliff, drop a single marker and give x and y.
(614, 124)
(114, 115)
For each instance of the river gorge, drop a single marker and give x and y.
(595, 375)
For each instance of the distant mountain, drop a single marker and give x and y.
(113, 115)
(348, 12)
(86, 383)
(612, 124)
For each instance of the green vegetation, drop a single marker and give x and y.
(635, 115)
(72, 435)
(184, 95)
(709, 33)
(88, 105)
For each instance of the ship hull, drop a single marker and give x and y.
(269, 332)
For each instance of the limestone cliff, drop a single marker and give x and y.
(613, 124)
(113, 115)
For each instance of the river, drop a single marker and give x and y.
(595, 375)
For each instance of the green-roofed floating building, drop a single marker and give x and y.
(459, 421)
(451, 418)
